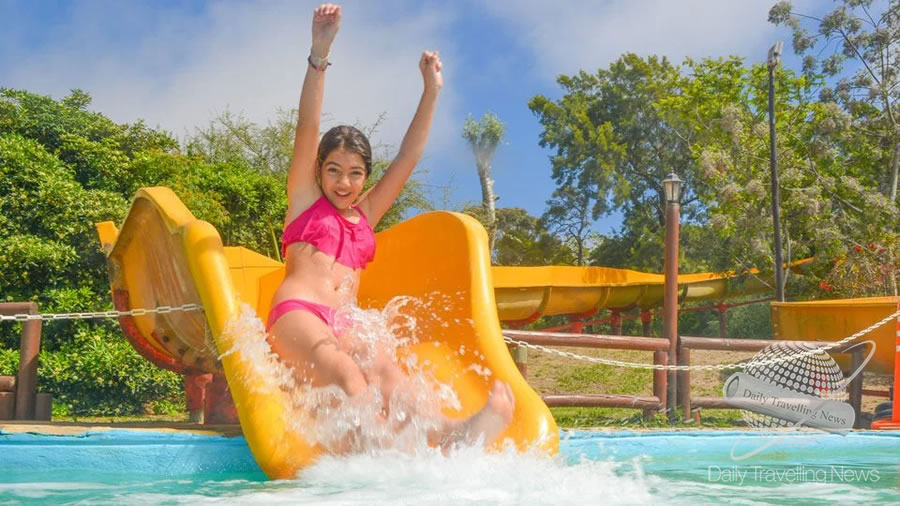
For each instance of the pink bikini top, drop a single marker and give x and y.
(351, 244)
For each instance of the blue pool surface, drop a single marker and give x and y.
(147, 467)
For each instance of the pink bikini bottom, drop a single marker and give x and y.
(325, 313)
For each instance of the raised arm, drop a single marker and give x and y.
(301, 184)
(380, 198)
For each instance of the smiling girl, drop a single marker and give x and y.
(328, 240)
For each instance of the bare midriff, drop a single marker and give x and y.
(316, 277)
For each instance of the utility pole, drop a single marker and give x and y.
(772, 62)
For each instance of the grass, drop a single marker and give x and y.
(584, 418)
(614, 380)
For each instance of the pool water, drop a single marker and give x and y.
(142, 467)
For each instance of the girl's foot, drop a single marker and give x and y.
(487, 425)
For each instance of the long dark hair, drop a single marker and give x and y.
(349, 138)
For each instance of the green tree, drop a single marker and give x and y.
(522, 239)
(569, 215)
(232, 138)
(484, 136)
(64, 168)
(614, 148)
(828, 205)
(868, 35)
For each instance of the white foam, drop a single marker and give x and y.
(468, 476)
(325, 415)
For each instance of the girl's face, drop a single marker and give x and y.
(342, 175)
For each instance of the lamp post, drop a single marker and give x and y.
(672, 188)
(772, 62)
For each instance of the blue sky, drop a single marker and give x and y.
(177, 64)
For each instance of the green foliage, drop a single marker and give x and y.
(828, 202)
(617, 132)
(9, 361)
(102, 374)
(98, 372)
(484, 134)
(750, 322)
(414, 196)
(233, 139)
(63, 169)
(612, 150)
(569, 215)
(522, 239)
(854, 54)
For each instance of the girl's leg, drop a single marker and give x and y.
(304, 342)
(307, 344)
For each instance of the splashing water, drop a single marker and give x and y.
(325, 414)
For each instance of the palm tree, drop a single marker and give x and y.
(484, 136)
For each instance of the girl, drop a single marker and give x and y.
(328, 240)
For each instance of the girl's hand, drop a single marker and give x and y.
(430, 66)
(325, 24)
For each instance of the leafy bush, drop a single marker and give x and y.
(101, 374)
(9, 361)
(63, 169)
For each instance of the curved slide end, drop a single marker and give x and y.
(164, 256)
(460, 337)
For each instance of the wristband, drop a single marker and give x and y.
(317, 63)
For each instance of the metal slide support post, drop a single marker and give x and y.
(723, 319)
(646, 323)
(616, 322)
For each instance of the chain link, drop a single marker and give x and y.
(712, 367)
(101, 314)
(552, 351)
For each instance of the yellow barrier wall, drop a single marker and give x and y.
(833, 320)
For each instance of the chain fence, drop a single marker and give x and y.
(711, 367)
(567, 354)
(100, 314)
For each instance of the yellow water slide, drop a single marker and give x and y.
(524, 293)
(162, 255)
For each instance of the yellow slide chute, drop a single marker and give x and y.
(525, 293)
(164, 256)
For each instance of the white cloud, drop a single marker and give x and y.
(567, 36)
(177, 68)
